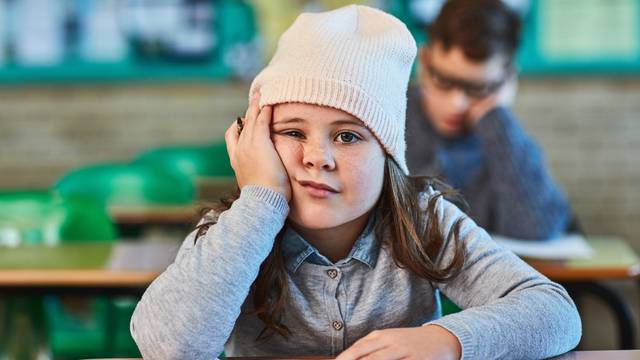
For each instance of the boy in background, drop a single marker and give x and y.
(460, 125)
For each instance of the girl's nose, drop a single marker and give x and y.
(318, 156)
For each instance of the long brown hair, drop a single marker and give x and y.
(416, 241)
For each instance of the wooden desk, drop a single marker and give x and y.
(613, 259)
(155, 215)
(574, 355)
(121, 267)
(212, 188)
(136, 264)
(599, 355)
(128, 268)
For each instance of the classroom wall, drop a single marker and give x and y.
(590, 133)
(589, 130)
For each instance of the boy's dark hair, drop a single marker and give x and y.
(481, 28)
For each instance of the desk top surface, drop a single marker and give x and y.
(129, 264)
(574, 355)
(138, 263)
(158, 215)
(613, 259)
(599, 355)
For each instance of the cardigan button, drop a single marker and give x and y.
(337, 325)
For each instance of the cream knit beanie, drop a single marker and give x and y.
(356, 58)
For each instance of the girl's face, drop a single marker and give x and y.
(334, 163)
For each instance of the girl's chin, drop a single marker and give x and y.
(315, 222)
(318, 218)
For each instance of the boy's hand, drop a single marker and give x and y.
(425, 342)
(504, 96)
(252, 155)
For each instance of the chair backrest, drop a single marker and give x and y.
(133, 184)
(43, 217)
(191, 160)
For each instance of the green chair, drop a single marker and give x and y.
(121, 343)
(135, 184)
(138, 185)
(191, 160)
(448, 306)
(37, 220)
(21, 327)
(42, 217)
(207, 166)
(34, 219)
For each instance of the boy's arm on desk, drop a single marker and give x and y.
(527, 202)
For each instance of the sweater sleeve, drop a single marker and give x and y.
(527, 202)
(510, 310)
(189, 311)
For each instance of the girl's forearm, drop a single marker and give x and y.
(190, 309)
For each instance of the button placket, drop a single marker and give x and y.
(336, 322)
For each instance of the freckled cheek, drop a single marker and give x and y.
(290, 152)
(364, 177)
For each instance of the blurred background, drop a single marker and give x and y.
(139, 92)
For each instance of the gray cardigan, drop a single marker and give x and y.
(197, 307)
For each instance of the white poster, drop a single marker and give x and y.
(102, 38)
(3, 32)
(39, 32)
(589, 29)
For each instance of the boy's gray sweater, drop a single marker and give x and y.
(197, 307)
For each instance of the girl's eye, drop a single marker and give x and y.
(294, 133)
(348, 137)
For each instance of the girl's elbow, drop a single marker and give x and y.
(146, 336)
(150, 349)
(157, 341)
(568, 328)
(141, 338)
(574, 328)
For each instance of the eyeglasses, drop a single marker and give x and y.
(472, 89)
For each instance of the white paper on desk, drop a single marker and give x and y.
(570, 246)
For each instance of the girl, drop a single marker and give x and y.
(330, 248)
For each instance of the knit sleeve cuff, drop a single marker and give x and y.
(497, 125)
(494, 123)
(460, 331)
(268, 196)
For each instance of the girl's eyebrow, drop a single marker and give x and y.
(289, 121)
(349, 122)
(336, 122)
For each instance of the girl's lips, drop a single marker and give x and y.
(317, 190)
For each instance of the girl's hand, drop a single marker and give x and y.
(252, 155)
(424, 342)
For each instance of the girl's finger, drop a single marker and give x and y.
(361, 348)
(254, 107)
(263, 122)
(231, 138)
(387, 353)
(259, 126)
